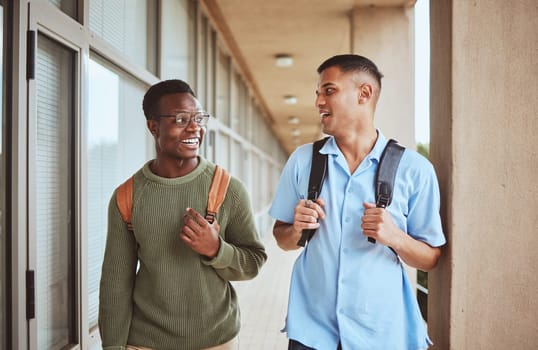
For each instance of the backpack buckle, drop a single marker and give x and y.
(210, 216)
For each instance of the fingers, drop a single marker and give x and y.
(200, 235)
(311, 208)
(193, 217)
(368, 205)
(194, 224)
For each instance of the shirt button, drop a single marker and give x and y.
(350, 189)
(347, 219)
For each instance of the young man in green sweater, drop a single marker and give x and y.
(179, 296)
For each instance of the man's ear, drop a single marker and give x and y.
(366, 93)
(153, 126)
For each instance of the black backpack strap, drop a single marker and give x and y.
(386, 173)
(318, 172)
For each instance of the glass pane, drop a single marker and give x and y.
(177, 48)
(202, 63)
(211, 57)
(117, 147)
(55, 234)
(243, 108)
(237, 159)
(222, 110)
(223, 150)
(2, 191)
(69, 7)
(235, 101)
(129, 26)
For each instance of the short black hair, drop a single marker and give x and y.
(350, 62)
(158, 90)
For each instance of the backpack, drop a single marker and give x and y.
(383, 183)
(217, 192)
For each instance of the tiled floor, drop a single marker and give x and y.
(263, 301)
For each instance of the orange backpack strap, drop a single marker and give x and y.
(124, 200)
(217, 192)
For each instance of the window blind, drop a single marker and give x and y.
(53, 196)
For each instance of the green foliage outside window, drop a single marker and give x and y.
(424, 149)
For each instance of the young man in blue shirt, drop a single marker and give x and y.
(347, 293)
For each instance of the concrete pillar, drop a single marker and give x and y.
(484, 124)
(385, 35)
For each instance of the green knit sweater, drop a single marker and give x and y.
(155, 291)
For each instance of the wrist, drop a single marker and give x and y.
(399, 241)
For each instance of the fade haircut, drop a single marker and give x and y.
(155, 92)
(348, 63)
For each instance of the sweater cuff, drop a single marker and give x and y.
(224, 256)
(114, 347)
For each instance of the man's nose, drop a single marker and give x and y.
(193, 125)
(320, 101)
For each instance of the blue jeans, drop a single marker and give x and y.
(295, 345)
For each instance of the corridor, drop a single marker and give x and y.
(263, 300)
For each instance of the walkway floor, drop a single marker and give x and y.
(263, 301)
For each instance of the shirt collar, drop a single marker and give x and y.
(330, 147)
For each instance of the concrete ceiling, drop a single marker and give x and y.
(308, 30)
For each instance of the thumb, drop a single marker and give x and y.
(368, 205)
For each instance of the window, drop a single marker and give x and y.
(202, 62)
(54, 196)
(117, 147)
(3, 171)
(69, 7)
(128, 25)
(178, 44)
(235, 98)
(222, 111)
(223, 150)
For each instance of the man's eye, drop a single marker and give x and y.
(329, 91)
(182, 117)
(181, 120)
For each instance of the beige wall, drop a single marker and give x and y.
(385, 35)
(484, 127)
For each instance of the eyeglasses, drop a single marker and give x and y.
(184, 118)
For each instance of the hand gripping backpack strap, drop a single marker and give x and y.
(318, 173)
(386, 174)
(217, 192)
(124, 201)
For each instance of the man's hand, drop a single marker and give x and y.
(306, 215)
(377, 223)
(199, 234)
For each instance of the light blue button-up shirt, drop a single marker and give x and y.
(344, 288)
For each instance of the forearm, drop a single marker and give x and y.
(416, 253)
(286, 236)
